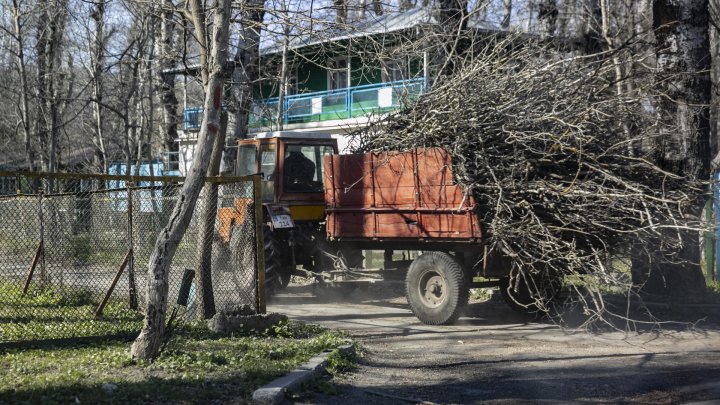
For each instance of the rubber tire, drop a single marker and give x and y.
(522, 300)
(455, 283)
(276, 275)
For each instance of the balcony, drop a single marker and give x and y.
(329, 105)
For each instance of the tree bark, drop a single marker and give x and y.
(208, 213)
(148, 343)
(167, 59)
(244, 75)
(507, 14)
(24, 88)
(683, 79)
(97, 52)
(548, 17)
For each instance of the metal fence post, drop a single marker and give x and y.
(41, 216)
(131, 256)
(259, 246)
(716, 224)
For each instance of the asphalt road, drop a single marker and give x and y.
(496, 356)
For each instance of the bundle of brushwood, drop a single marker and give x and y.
(559, 163)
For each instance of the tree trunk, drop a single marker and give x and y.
(56, 26)
(97, 52)
(24, 88)
(167, 59)
(715, 77)
(406, 5)
(683, 79)
(341, 12)
(148, 343)
(507, 14)
(377, 7)
(208, 213)
(547, 18)
(244, 75)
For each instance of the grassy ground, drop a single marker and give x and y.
(49, 313)
(197, 366)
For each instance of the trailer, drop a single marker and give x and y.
(407, 200)
(321, 210)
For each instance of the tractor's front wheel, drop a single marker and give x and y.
(436, 288)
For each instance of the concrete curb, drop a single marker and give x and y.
(274, 392)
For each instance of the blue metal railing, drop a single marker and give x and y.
(328, 105)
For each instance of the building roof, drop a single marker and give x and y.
(375, 25)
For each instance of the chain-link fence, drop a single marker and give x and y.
(74, 252)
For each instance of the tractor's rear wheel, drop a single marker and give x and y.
(277, 275)
(436, 288)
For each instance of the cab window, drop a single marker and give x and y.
(267, 169)
(247, 160)
(303, 168)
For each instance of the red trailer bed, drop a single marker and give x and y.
(397, 195)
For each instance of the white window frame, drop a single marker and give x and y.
(332, 70)
(395, 65)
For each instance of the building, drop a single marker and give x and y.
(337, 83)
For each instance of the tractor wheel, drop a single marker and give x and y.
(277, 275)
(436, 288)
(530, 295)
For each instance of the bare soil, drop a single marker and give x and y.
(494, 355)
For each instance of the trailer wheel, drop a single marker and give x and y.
(436, 288)
(531, 296)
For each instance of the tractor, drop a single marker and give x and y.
(291, 169)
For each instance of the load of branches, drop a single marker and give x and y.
(559, 163)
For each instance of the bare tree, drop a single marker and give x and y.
(148, 343)
(48, 44)
(19, 37)
(97, 62)
(166, 58)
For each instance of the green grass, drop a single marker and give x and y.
(46, 313)
(712, 295)
(197, 367)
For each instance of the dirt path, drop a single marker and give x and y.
(497, 356)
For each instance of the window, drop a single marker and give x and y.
(292, 79)
(267, 168)
(337, 74)
(303, 168)
(247, 160)
(394, 70)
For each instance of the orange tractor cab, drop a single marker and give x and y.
(291, 168)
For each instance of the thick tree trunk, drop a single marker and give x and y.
(547, 18)
(148, 343)
(715, 77)
(683, 79)
(208, 213)
(452, 19)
